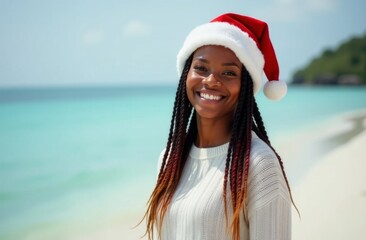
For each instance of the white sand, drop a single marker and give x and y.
(332, 196)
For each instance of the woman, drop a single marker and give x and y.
(219, 177)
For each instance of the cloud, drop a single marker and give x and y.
(93, 37)
(136, 29)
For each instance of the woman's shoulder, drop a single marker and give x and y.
(260, 150)
(262, 158)
(266, 179)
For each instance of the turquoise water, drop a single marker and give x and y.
(74, 159)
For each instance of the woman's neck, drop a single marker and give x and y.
(212, 132)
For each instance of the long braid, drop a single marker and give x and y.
(262, 133)
(167, 149)
(176, 141)
(230, 165)
(174, 157)
(237, 160)
(247, 144)
(174, 125)
(175, 162)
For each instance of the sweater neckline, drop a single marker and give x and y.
(211, 152)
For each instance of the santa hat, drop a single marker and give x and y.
(249, 39)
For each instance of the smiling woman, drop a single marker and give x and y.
(219, 177)
(213, 84)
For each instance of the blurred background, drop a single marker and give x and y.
(86, 96)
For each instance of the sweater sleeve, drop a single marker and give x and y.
(269, 204)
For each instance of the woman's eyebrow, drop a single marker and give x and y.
(230, 64)
(224, 64)
(201, 59)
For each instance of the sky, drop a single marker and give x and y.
(50, 43)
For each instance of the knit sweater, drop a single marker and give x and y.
(197, 208)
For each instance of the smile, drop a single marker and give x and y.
(210, 97)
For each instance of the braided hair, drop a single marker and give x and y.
(182, 134)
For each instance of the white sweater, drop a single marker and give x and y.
(197, 209)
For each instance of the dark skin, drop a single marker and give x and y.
(213, 85)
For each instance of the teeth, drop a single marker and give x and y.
(210, 97)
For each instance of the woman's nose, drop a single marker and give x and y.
(211, 80)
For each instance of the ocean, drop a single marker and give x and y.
(76, 159)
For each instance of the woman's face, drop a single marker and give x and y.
(213, 82)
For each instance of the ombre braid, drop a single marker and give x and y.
(237, 159)
(182, 134)
(176, 152)
(260, 130)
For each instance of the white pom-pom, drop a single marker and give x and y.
(275, 90)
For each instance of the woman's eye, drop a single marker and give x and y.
(199, 68)
(230, 73)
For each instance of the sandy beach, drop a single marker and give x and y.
(331, 196)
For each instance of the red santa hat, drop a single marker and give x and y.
(249, 39)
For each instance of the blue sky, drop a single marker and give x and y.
(116, 42)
